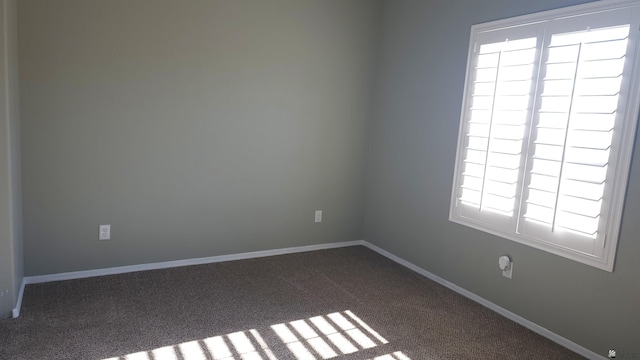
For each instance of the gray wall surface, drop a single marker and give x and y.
(11, 264)
(194, 128)
(201, 128)
(411, 152)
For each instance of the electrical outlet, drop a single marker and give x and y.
(506, 265)
(105, 232)
(318, 216)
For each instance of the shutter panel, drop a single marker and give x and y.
(498, 109)
(582, 79)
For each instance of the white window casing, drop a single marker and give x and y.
(547, 129)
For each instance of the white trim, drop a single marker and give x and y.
(491, 306)
(7, 119)
(16, 311)
(560, 13)
(186, 262)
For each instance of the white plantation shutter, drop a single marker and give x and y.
(498, 112)
(573, 135)
(547, 129)
(499, 103)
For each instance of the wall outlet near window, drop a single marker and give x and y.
(105, 232)
(318, 216)
(506, 265)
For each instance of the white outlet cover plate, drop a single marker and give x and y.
(105, 232)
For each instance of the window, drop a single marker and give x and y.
(547, 129)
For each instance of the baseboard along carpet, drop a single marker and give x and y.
(347, 303)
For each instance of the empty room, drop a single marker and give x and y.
(319, 179)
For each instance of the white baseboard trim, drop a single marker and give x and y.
(186, 262)
(170, 264)
(486, 303)
(16, 311)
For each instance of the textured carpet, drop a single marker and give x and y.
(348, 303)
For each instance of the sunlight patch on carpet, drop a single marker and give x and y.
(319, 337)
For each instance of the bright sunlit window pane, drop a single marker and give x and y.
(563, 54)
(599, 86)
(587, 190)
(584, 225)
(596, 35)
(488, 60)
(591, 139)
(560, 71)
(508, 45)
(605, 50)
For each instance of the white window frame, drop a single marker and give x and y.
(625, 132)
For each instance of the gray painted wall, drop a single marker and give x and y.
(11, 265)
(411, 152)
(194, 128)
